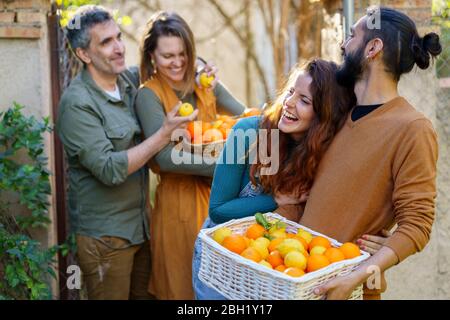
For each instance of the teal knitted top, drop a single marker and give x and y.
(233, 195)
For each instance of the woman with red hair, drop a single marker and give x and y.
(308, 113)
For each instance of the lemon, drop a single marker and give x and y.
(221, 234)
(317, 250)
(278, 233)
(261, 248)
(205, 81)
(264, 241)
(305, 235)
(265, 264)
(288, 245)
(216, 124)
(185, 109)
(295, 259)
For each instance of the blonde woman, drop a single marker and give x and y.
(168, 58)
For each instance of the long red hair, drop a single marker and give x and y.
(299, 159)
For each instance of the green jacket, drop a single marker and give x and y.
(96, 130)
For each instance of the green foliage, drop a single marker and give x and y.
(68, 8)
(29, 180)
(441, 17)
(24, 265)
(443, 61)
(441, 12)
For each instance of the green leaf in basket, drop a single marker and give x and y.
(277, 225)
(268, 236)
(280, 225)
(261, 219)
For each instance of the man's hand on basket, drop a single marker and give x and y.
(342, 287)
(339, 288)
(372, 244)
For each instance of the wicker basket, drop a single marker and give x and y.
(212, 149)
(238, 278)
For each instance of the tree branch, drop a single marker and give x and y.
(242, 39)
(222, 27)
(130, 35)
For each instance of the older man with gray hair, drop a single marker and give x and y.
(108, 182)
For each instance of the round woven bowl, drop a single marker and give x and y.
(212, 149)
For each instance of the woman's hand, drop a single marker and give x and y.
(283, 199)
(371, 243)
(304, 197)
(173, 121)
(210, 69)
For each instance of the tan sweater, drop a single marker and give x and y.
(378, 171)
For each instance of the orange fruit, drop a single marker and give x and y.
(316, 262)
(247, 241)
(228, 121)
(255, 231)
(206, 126)
(294, 272)
(222, 117)
(235, 243)
(350, 250)
(320, 241)
(197, 140)
(251, 112)
(224, 131)
(290, 235)
(252, 254)
(191, 127)
(274, 244)
(275, 259)
(281, 268)
(212, 135)
(334, 255)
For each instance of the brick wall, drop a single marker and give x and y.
(418, 10)
(23, 19)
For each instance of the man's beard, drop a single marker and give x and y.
(351, 69)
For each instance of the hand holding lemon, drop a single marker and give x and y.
(177, 118)
(185, 109)
(205, 80)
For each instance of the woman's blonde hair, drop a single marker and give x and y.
(167, 24)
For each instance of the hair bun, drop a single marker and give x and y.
(423, 47)
(431, 44)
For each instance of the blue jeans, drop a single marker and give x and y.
(201, 290)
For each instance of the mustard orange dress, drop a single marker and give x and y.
(181, 207)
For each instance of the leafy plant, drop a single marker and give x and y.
(441, 12)
(25, 266)
(68, 8)
(441, 17)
